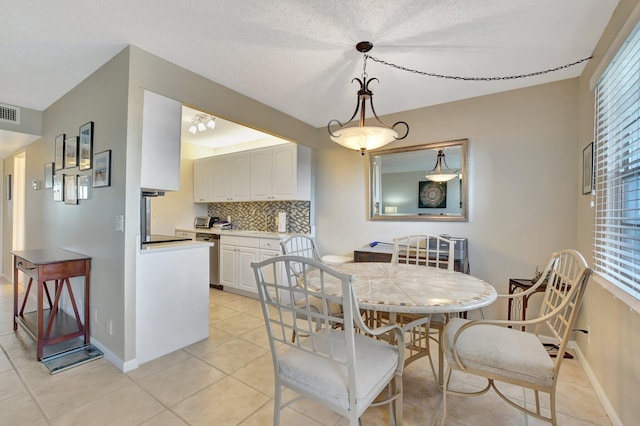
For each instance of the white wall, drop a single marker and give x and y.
(89, 226)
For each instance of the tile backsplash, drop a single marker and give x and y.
(261, 215)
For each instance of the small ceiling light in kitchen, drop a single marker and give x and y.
(363, 137)
(440, 173)
(201, 123)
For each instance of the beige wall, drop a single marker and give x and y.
(522, 183)
(88, 227)
(611, 353)
(525, 148)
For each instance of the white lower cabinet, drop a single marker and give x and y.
(236, 256)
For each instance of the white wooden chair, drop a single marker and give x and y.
(499, 351)
(302, 245)
(431, 251)
(337, 367)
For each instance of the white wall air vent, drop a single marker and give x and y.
(9, 114)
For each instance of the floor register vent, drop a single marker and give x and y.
(9, 114)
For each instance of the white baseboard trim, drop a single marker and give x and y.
(113, 359)
(608, 408)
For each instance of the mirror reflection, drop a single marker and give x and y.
(423, 182)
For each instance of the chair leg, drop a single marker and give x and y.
(440, 356)
(398, 401)
(445, 387)
(353, 420)
(553, 407)
(436, 376)
(276, 404)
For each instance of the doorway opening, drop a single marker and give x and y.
(18, 201)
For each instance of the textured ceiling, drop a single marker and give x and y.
(298, 56)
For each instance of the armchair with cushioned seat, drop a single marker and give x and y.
(334, 366)
(500, 352)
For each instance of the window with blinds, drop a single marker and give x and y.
(617, 169)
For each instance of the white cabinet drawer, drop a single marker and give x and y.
(269, 244)
(227, 239)
(248, 242)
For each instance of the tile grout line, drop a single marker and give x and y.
(27, 388)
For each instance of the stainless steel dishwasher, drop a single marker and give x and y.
(214, 265)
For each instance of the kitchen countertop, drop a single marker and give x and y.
(174, 245)
(239, 232)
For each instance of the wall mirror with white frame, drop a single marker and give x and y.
(420, 183)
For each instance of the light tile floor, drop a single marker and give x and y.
(227, 380)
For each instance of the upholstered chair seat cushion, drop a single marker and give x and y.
(499, 350)
(376, 362)
(316, 304)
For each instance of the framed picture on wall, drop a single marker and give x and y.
(48, 175)
(71, 152)
(70, 189)
(59, 152)
(58, 188)
(84, 183)
(85, 146)
(102, 169)
(587, 169)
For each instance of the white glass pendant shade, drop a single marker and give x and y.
(201, 126)
(193, 129)
(211, 123)
(441, 173)
(364, 137)
(441, 177)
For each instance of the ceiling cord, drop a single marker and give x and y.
(454, 77)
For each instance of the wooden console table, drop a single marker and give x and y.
(519, 285)
(52, 325)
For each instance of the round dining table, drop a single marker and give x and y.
(402, 288)
(410, 289)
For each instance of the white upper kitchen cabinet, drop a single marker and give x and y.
(281, 172)
(261, 171)
(160, 152)
(232, 177)
(203, 180)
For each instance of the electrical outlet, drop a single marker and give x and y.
(110, 327)
(120, 223)
(95, 315)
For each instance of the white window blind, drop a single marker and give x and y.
(617, 169)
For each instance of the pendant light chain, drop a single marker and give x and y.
(454, 77)
(364, 65)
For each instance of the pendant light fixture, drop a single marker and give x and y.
(440, 173)
(363, 137)
(201, 123)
